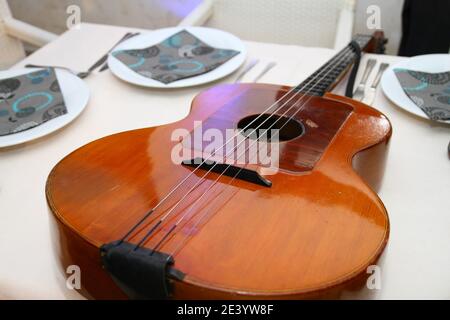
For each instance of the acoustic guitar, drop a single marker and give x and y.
(141, 225)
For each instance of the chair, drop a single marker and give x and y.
(12, 32)
(318, 23)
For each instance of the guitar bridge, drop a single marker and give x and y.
(229, 170)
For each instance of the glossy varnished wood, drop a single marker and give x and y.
(320, 122)
(310, 234)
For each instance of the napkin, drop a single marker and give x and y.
(429, 91)
(29, 100)
(178, 57)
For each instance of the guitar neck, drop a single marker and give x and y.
(325, 78)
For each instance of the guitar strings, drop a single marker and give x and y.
(345, 57)
(153, 229)
(230, 182)
(297, 88)
(344, 52)
(150, 212)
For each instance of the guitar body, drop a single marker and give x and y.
(312, 234)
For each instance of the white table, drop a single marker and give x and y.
(416, 263)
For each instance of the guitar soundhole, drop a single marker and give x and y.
(289, 128)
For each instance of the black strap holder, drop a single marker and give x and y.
(352, 77)
(141, 273)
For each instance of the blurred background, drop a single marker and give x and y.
(413, 27)
(51, 15)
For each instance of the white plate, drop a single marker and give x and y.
(76, 96)
(213, 37)
(432, 63)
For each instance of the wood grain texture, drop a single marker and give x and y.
(311, 234)
(320, 123)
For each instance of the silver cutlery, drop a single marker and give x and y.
(104, 59)
(249, 67)
(99, 63)
(81, 75)
(268, 67)
(370, 95)
(360, 91)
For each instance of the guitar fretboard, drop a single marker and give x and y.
(322, 80)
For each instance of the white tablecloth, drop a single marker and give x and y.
(416, 263)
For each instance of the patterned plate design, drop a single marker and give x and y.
(180, 56)
(190, 55)
(58, 96)
(29, 100)
(430, 63)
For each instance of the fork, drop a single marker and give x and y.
(370, 96)
(360, 91)
(81, 75)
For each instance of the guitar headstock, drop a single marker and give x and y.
(375, 43)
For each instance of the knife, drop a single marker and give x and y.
(371, 93)
(269, 66)
(102, 61)
(249, 67)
